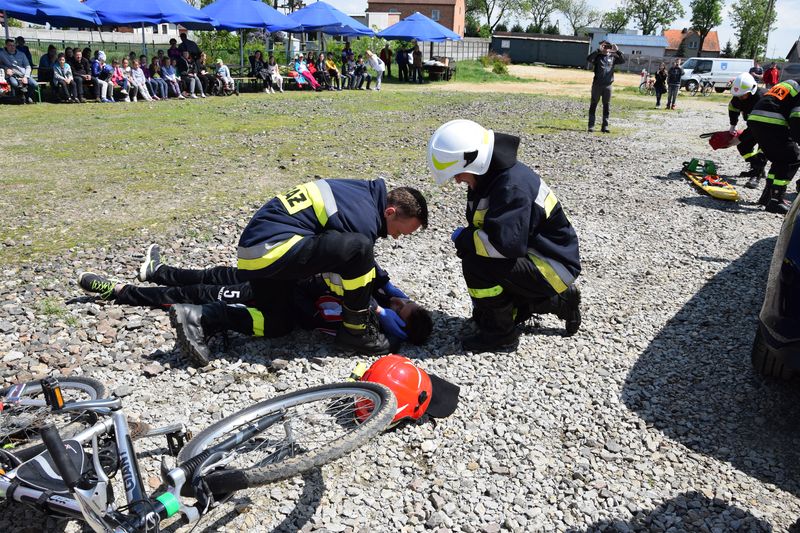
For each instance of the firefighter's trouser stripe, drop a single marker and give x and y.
(489, 292)
(258, 321)
(264, 254)
(768, 117)
(777, 182)
(751, 154)
(552, 271)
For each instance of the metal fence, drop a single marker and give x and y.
(635, 63)
(467, 48)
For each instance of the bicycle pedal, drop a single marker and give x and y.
(177, 440)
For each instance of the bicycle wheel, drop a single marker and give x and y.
(313, 427)
(643, 88)
(20, 422)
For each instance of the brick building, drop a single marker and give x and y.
(691, 40)
(448, 13)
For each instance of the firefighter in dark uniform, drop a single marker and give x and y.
(746, 93)
(775, 121)
(325, 226)
(519, 251)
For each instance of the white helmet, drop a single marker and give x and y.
(459, 146)
(744, 84)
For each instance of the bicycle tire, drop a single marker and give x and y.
(643, 88)
(288, 464)
(20, 424)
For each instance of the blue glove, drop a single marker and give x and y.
(392, 324)
(393, 291)
(456, 234)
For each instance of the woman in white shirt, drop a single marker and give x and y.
(378, 66)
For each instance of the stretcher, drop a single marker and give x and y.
(703, 174)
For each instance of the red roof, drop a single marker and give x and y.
(674, 38)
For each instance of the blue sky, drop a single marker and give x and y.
(780, 41)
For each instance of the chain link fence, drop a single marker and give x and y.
(467, 48)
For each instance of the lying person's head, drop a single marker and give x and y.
(419, 323)
(406, 210)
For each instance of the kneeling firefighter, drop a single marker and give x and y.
(746, 93)
(519, 251)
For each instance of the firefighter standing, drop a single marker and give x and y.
(746, 93)
(775, 121)
(325, 226)
(519, 252)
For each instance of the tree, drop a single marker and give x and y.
(728, 51)
(579, 14)
(706, 15)
(517, 28)
(552, 29)
(748, 19)
(539, 12)
(652, 14)
(532, 29)
(471, 26)
(617, 20)
(492, 11)
(681, 52)
(501, 27)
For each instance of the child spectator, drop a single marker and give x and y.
(259, 70)
(173, 52)
(157, 80)
(62, 77)
(133, 90)
(171, 77)
(333, 71)
(274, 74)
(224, 74)
(148, 79)
(321, 73)
(140, 81)
(378, 66)
(101, 73)
(350, 73)
(304, 76)
(118, 79)
(362, 74)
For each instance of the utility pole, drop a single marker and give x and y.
(766, 20)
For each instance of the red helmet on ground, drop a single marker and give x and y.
(417, 392)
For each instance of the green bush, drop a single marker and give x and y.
(499, 68)
(485, 61)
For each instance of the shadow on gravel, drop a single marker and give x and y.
(691, 511)
(306, 506)
(17, 518)
(695, 382)
(705, 201)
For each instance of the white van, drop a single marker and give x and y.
(720, 70)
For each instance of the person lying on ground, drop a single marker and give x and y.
(315, 304)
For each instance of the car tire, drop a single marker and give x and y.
(766, 362)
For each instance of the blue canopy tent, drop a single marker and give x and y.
(151, 12)
(58, 13)
(418, 27)
(235, 15)
(324, 18)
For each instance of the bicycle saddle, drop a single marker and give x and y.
(40, 471)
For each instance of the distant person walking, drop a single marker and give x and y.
(603, 59)
(771, 76)
(674, 75)
(660, 83)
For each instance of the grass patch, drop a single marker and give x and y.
(474, 71)
(52, 308)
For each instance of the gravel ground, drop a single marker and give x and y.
(650, 419)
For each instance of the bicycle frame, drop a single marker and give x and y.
(91, 504)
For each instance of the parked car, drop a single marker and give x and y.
(720, 70)
(789, 71)
(776, 349)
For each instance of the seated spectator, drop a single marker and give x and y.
(333, 72)
(206, 78)
(140, 81)
(224, 75)
(17, 70)
(273, 70)
(347, 53)
(187, 45)
(161, 57)
(87, 53)
(20, 42)
(378, 66)
(68, 54)
(82, 72)
(171, 77)
(321, 73)
(118, 80)
(151, 88)
(187, 70)
(259, 70)
(362, 74)
(350, 73)
(46, 64)
(173, 52)
(5, 87)
(101, 75)
(64, 81)
(157, 79)
(304, 76)
(133, 89)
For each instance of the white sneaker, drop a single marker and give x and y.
(123, 91)
(126, 98)
(202, 95)
(272, 90)
(135, 98)
(193, 96)
(181, 97)
(266, 90)
(281, 89)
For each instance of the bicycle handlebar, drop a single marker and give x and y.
(55, 446)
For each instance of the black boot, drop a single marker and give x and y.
(369, 340)
(764, 198)
(496, 329)
(568, 309)
(757, 165)
(776, 204)
(195, 325)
